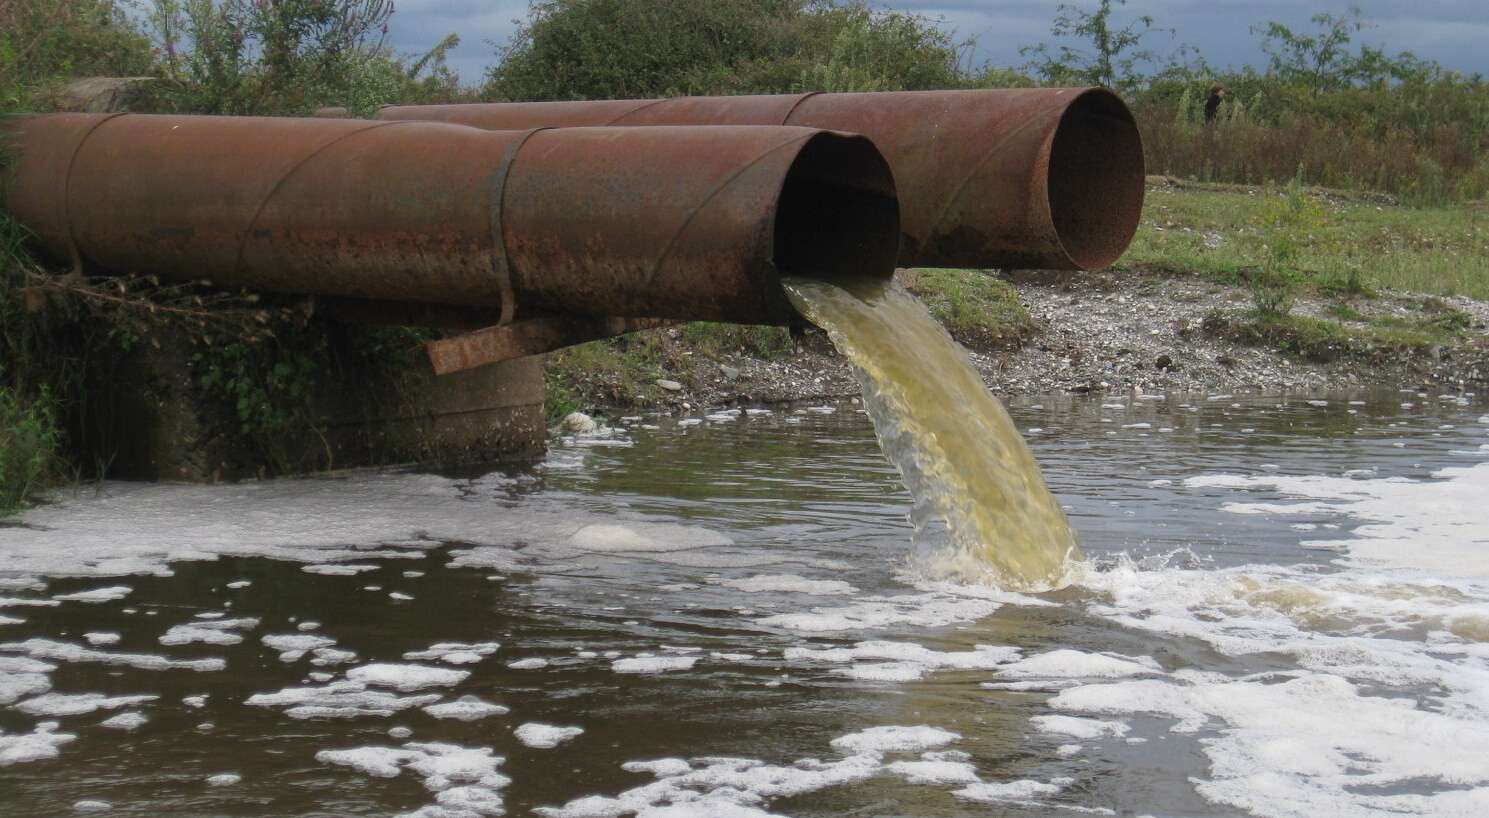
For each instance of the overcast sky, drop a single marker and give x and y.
(1453, 32)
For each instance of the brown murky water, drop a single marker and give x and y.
(1276, 616)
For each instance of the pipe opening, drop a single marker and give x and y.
(1096, 179)
(838, 216)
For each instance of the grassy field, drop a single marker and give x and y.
(1219, 231)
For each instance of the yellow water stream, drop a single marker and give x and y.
(981, 509)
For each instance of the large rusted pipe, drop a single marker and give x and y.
(1026, 178)
(686, 223)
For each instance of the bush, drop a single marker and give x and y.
(627, 49)
(1289, 226)
(46, 42)
(29, 446)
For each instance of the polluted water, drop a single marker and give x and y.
(981, 509)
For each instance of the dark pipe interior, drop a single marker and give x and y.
(838, 216)
(1096, 179)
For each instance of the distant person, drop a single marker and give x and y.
(1212, 105)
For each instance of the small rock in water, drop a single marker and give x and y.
(579, 422)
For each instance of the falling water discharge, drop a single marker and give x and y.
(981, 510)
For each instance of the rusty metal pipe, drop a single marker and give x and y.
(1020, 178)
(685, 223)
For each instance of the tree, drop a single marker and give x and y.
(1114, 54)
(269, 56)
(1322, 61)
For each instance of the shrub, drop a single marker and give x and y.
(29, 445)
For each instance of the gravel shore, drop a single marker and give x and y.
(1122, 333)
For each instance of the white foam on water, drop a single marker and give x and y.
(77, 704)
(789, 583)
(18, 684)
(333, 525)
(223, 779)
(903, 661)
(406, 678)
(21, 664)
(212, 632)
(339, 700)
(935, 772)
(545, 736)
(1313, 744)
(466, 708)
(1431, 526)
(11, 620)
(455, 653)
(876, 741)
(929, 610)
(25, 601)
(99, 638)
(1013, 791)
(338, 570)
(241, 583)
(330, 657)
(465, 781)
(293, 646)
(195, 702)
(653, 664)
(1066, 663)
(645, 537)
(1078, 727)
(66, 652)
(41, 743)
(530, 663)
(125, 721)
(720, 786)
(92, 805)
(1384, 708)
(96, 595)
(660, 767)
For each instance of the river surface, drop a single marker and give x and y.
(1283, 610)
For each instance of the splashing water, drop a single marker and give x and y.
(981, 508)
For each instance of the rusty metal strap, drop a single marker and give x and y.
(797, 104)
(72, 241)
(501, 264)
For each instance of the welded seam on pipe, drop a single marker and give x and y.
(72, 242)
(501, 264)
(721, 187)
(279, 183)
(956, 192)
(650, 104)
(786, 120)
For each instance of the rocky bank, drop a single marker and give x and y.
(1123, 332)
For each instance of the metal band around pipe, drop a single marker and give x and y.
(501, 264)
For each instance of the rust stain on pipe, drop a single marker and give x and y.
(685, 223)
(1027, 178)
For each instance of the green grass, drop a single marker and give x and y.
(1364, 243)
(1323, 339)
(976, 307)
(618, 371)
(715, 340)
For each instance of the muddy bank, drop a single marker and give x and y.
(1122, 333)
